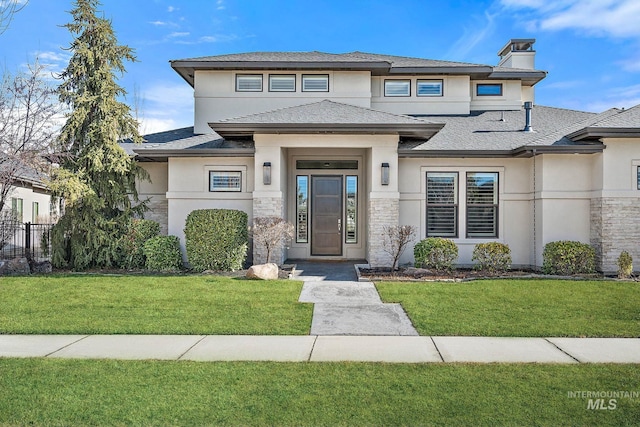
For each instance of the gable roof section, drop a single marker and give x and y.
(500, 133)
(326, 117)
(621, 124)
(377, 64)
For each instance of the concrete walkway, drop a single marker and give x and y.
(393, 349)
(344, 306)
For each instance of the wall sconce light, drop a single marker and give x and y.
(266, 173)
(385, 174)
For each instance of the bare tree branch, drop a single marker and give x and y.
(8, 8)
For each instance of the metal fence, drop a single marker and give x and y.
(25, 240)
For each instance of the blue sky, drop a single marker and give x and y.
(591, 48)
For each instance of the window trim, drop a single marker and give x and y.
(397, 81)
(237, 189)
(430, 80)
(456, 204)
(495, 205)
(239, 76)
(282, 75)
(305, 76)
(17, 206)
(500, 85)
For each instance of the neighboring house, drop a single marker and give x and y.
(30, 199)
(343, 145)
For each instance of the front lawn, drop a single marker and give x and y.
(107, 392)
(521, 308)
(151, 305)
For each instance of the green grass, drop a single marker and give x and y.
(522, 308)
(84, 392)
(151, 305)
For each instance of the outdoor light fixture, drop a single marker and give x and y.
(385, 174)
(266, 173)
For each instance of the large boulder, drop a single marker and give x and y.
(263, 271)
(15, 267)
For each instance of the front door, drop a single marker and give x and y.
(326, 215)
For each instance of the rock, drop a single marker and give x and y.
(15, 267)
(417, 272)
(263, 271)
(42, 267)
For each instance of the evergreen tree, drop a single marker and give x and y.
(96, 178)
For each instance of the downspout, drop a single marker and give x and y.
(535, 241)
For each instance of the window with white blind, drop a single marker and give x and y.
(397, 88)
(249, 83)
(429, 88)
(442, 204)
(282, 83)
(482, 204)
(315, 83)
(225, 181)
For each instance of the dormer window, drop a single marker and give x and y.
(489, 89)
(397, 88)
(429, 88)
(249, 83)
(315, 83)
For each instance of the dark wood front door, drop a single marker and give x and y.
(326, 215)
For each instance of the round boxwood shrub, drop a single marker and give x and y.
(492, 257)
(132, 243)
(216, 239)
(566, 257)
(436, 253)
(163, 253)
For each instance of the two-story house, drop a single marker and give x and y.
(342, 145)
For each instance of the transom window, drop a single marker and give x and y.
(429, 88)
(249, 83)
(282, 83)
(489, 89)
(315, 83)
(225, 181)
(397, 88)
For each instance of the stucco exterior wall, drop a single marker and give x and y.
(156, 191)
(216, 97)
(455, 97)
(511, 98)
(30, 196)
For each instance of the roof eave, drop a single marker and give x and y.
(604, 132)
(529, 77)
(194, 152)
(521, 152)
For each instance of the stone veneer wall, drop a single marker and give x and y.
(159, 212)
(267, 206)
(615, 227)
(382, 212)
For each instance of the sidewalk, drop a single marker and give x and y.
(392, 349)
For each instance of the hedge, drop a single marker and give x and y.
(566, 257)
(216, 239)
(132, 243)
(435, 252)
(493, 257)
(163, 253)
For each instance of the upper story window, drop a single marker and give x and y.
(315, 83)
(429, 88)
(489, 89)
(397, 88)
(282, 83)
(249, 83)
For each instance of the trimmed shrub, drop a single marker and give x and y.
(567, 257)
(163, 253)
(436, 253)
(132, 243)
(492, 257)
(216, 239)
(625, 265)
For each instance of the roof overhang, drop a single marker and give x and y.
(421, 131)
(604, 132)
(155, 155)
(529, 78)
(187, 69)
(521, 152)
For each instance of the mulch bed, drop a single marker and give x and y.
(458, 275)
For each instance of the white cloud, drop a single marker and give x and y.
(154, 125)
(471, 37)
(220, 5)
(613, 18)
(171, 9)
(620, 97)
(632, 64)
(178, 34)
(159, 23)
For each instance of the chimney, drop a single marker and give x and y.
(527, 116)
(518, 53)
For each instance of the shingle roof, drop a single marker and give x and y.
(487, 131)
(314, 56)
(326, 112)
(624, 119)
